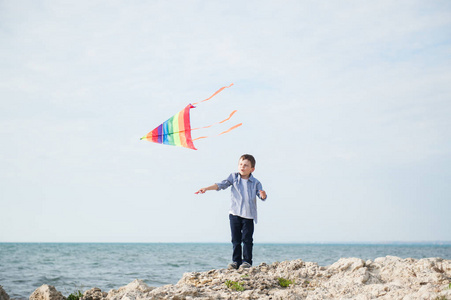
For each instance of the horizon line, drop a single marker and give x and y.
(437, 242)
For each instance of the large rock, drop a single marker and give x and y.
(3, 294)
(46, 292)
(386, 278)
(348, 278)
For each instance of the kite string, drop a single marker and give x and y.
(230, 129)
(217, 92)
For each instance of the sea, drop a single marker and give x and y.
(72, 267)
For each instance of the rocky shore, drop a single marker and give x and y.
(348, 278)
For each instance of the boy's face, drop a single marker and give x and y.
(245, 168)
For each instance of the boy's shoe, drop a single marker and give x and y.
(246, 265)
(233, 266)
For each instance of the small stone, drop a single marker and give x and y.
(94, 294)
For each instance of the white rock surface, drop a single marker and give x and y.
(134, 290)
(348, 278)
(46, 292)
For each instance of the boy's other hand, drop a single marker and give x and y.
(262, 195)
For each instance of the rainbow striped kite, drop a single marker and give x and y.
(176, 131)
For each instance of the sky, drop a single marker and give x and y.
(345, 105)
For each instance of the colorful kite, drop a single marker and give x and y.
(176, 131)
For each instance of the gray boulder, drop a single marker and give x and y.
(3, 294)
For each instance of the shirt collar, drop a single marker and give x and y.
(251, 177)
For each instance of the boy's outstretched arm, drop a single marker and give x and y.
(213, 187)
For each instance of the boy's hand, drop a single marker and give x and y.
(201, 191)
(208, 188)
(262, 195)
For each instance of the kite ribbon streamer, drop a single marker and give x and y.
(230, 129)
(217, 92)
(233, 112)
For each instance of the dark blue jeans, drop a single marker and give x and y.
(242, 232)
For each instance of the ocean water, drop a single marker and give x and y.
(71, 267)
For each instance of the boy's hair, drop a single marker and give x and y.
(250, 158)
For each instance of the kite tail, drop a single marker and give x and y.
(233, 112)
(217, 92)
(230, 129)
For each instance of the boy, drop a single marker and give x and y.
(243, 209)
